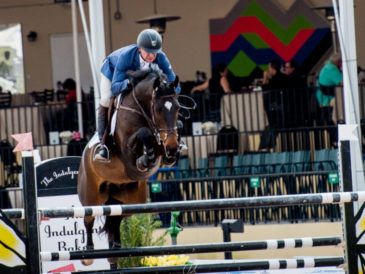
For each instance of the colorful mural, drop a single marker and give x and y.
(256, 32)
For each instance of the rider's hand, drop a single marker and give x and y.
(178, 89)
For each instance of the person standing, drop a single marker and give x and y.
(330, 77)
(295, 78)
(6, 67)
(69, 85)
(218, 85)
(274, 81)
(296, 97)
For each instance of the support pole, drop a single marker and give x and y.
(334, 36)
(77, 68)
(227, 238)
(174, 229)
(351, 163)
(348, 211)
(97, 44)
(30, 211)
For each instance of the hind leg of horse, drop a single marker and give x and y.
(113, 223)
(89, 224)
(89, 194)
(112, 228)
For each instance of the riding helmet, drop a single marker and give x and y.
(149, 40)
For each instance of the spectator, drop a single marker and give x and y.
(218, 82)
(66, 118)
(296, 97)
(217, 85)
(70, 87)
(201, 77)
(6, 67)
(295, 78)
(330, 76)
(273, 83)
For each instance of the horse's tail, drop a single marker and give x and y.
(112, 224)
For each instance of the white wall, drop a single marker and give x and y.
(63, 65)
(186, 40)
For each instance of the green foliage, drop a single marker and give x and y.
(137, 230)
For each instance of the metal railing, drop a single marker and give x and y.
(244, 111)
(216, 182)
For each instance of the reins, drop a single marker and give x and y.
(151, 122)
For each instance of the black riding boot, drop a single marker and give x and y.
(102, 151)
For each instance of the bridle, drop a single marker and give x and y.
(161, 134)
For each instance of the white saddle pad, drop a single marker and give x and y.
(94, 140)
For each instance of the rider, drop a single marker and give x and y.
(145, 54)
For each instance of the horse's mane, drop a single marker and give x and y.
(139, 75)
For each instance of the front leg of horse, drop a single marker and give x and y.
(147, 161)
(89, 224)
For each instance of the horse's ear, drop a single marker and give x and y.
(176, 82)
(156, 83)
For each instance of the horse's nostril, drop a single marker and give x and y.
(171, 151)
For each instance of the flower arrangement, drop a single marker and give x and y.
(167, 260)
(137, 230)
(65, 136)
(209, 128)
(76, 136)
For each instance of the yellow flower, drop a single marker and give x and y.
(167, 260)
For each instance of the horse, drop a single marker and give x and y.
(145, 136)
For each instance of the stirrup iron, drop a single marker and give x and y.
(96, 156)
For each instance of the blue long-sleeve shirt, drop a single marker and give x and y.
(116, 65)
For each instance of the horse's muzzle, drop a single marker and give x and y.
(171, 151)
(171, 155)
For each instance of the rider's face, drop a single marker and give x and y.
(148, 57)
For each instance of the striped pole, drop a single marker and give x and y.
(231, 203)
(196, 248)
(232, 266)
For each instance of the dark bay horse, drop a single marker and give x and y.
(145, 136)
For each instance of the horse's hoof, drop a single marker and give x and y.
(113, 263)
(87, 262)
(113, 266)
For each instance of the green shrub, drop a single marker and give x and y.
(137, 230)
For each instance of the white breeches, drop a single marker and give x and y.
(105, 91)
